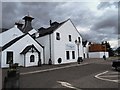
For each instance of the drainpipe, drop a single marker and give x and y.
(24, 60)
(50, 61)
(43, 55)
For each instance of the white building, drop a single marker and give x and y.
(61, 41)
(94, 50)
(98, 54)
(18, 46)
(23, 50)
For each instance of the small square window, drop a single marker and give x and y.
(70, 39)
(57, 36)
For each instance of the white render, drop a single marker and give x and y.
(32, 31)
(9, 35)
(17, 48)
(86, 50)
(59, 47)
(98, 54)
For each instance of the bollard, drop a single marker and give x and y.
(50, 62)
(11, 81)
(79, 60)
(39, 62)
(104, 57)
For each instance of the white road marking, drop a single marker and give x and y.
(101, 78)
(68, 85)
(110, 76)
(46, 70)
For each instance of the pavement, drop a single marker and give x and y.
(52, 67)
(78, 76)
(69, 77)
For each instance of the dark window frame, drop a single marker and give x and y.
(70, 38)
(57, 36)
(67, 55)
(79, 39)
(9, 57)
(73, 54)
(32, 58)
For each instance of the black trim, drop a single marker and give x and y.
(12, 42)
(49, 30)
(28, 48)
(36, 40)
(17, 39)
(50, 44)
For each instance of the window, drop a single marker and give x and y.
(70, 38)
(79, 39)
(9, 57)
(32, 58)
(73, 54)
(67, 55)
(57, 36)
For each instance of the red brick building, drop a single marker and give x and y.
(97, 48)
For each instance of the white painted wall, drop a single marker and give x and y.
(45, 42)
(27, 61)
(60, 45)
(32, 31)
(98, 54)
(86, 50)
(18, 47)
(9, 35)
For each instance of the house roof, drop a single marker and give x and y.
(45, 31)
(12, 42)
(28, 48)
(84, 43)
(16, 39)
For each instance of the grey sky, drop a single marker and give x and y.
(96, 21)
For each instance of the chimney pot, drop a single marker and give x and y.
(50, 22)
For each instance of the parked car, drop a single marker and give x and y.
(116, 64)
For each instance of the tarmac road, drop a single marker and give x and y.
(80, 77)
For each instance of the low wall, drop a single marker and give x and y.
(98, 54)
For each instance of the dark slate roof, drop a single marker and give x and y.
(16, 39)
(12, 42)
(28, 48)
(45, 31)
(84, 43)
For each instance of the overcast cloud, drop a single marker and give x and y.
(96, 21)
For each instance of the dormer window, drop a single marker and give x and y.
(57, 36)
(70, 39)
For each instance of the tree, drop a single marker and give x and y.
(108, 48)
(118, 50)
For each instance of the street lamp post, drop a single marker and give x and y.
(77, 42)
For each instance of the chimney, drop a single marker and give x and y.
(19, 25)
(28, 25)
(50, 22)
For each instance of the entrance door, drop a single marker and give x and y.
(9, 57)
